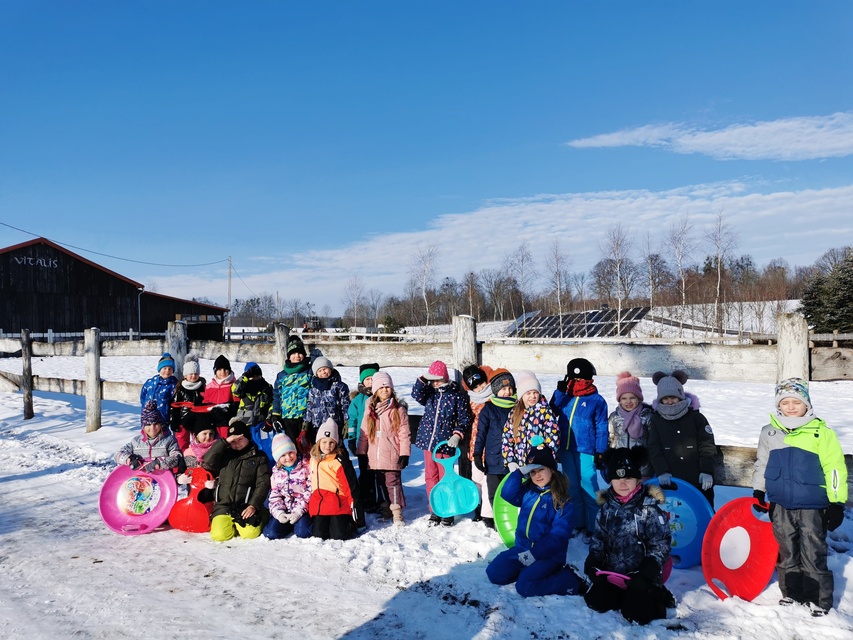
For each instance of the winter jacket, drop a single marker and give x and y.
(328, 398)
(290, 391)
(290, 490)
(582, 420)
(537, 420)
(160, 390)
(800, 468)
(446, 412)
(490, 429)
(476, 409)
(355, 413)
(389, 443)
(243, 477)
(684, 447)
(334, 486)
(219, 392)
(255, 398)
(620, 438)
(182, 416)
(542, 528)
(163, 448)
(625, 533)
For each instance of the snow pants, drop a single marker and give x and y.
(542, 578)
(333, 527)
(224, 528)
(636, 605)
(393, 482)
(275, 530)
(584, 482)
(802, 570)
(433, 471)
(479, 478)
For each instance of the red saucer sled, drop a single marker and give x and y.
(739, 551)
(190, 514)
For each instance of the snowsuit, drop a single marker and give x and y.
(446, 413)
(163, 449)
(181, 418)
(160, 390)
(219, 392)
(334, 491)
(290, 491)
(583, 433)
(542, 529)
(620, 438)
(290, 397)
(490, 428)
(802, 471)
(388, 445)
(327, 398)
(537, 420)
(630, 538)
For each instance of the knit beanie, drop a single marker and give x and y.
(166, 360)
(473, 376)
(624, 463)
(437, 371)
(381, 379)
(221, 362)
(329, 429)
(539, 456)
(281, 444)
(239, 428)
(580, 368)
(526, 381)
(295, 345)
(793, 388)
(252, 369)
(191, 365)
(367, 370)
(151, 414)
(626, 383)
(670, 385)
(502, 378)
(202, 421)
(319, 363)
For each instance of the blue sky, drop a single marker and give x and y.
(317, 141)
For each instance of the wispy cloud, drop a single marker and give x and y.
(805, 138)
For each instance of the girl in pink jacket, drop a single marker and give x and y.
(386, 440)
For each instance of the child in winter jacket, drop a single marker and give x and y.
(385, 440)
(290, 391)
(476, 381)
(202, 436)
(327, 398)
(447, 417)
(488, 454)
(530, 417)
(801, 472)
(371, 488)
(681, 442)
(290, 490)
(154, 448)
(161, 388)
(189, 390)
(629, 423)
(254, 395)
(242, 485)
(334, 486)
(631, 538)
(536, 562)
(582, 414)
(218, 392)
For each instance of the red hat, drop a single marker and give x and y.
(437, 371)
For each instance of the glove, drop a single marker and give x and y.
(526, 558)
(665, 479)
(134, 461)
(267, 427)
(351, 445)
(294, 517)
(591, 565)
(761, 507)
(598, 461)
(209, 484)
(563, 385)
(183, 479)
(454, 440)
(480, 464)
(403, 462)
(706, 480)
(833, 516)
(512, 467)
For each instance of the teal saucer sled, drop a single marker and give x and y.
(453, 495)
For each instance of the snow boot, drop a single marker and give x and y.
(397, 512)
(434, 520)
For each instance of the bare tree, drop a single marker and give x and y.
(294, 308)
(832, 259)
(722, 240)
(682, 243)
(492, 282)
(326, 313)
(422, 271)
(579, 280)
(472, 292)
(353, 296)
(375, 300)
(558, 264)
(521, 264)
(617, 247)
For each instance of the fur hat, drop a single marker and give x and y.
(437, 371)
(624, 463)
(670, 385)
(473, 376)
(191, 365)
(367, 370)
(252, 369)
(281, 444)
(151, 414)
(329, 429)
(580, 368)
(526, 381)
(221, 362)
(202, 422)
(239, 428)
(793, 388)
(539, 455)
(501, 378)
(166, 360)
(626, 383)
(295, 345)
(381, 379)
(319, 363)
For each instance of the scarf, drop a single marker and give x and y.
(504, 403)
(577, 388)
(300, 367)
(380, 408)
(480, 397)
(632, 422)
(192, 386)
(199, 449)
(224, 381)
(793, 422)
(673, 411)
(625, 499)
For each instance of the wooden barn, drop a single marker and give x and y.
(44, 286)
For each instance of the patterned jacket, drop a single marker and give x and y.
(164, 449)
(290, 391)
(290, 490)
(625, 533)
(328, 398)
(160, 390)
(537, 420)
(583, 422)
(334, 486)
(255, 398)
(446, 412)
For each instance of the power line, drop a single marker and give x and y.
(243, 281)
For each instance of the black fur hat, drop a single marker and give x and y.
(624, 463)
(580, 368)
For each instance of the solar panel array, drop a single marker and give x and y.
(598, 323)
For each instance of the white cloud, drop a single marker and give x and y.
(805, 138)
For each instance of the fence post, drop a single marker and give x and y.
(94, 395)
(464, 342)
(27, 382)
(176, 338)
(792, 347)
(282, 331)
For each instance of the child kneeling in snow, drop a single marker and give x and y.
(154, 448)
(334, 486)
(536, 563)
(290, 490)
(631, 538)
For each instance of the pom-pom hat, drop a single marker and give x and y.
(151, 414)
(539, 455)
(437, 371)
(166, 360)
(191, 365)
(626, 383)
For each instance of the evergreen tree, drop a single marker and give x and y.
(839, 312)
(813, 302)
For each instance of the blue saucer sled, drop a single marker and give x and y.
(453, 495)
(689, 516)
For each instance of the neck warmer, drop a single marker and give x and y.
(323, 384)
(362, 389)
(299, 367)
(480, 397)
(793, 422)
(577, 388)
(192, 386)
(674, 411)
(625, 499)
(633, 424)
(504, 403)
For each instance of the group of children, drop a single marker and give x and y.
(555, 453)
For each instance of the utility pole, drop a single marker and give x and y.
(228, 333)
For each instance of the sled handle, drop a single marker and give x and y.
(449, 460)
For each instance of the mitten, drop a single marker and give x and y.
(183, 479)
(403, 462)
(454, 440)
(283, 518)
(665, 479)
(834, 516)
(294, 517)
(706, 480)
(598, 461)
(512, 466)
(267, 426)
(480, 464)
(210, 484)
(526, 558)
(761, 507)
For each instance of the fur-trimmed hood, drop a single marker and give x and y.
(652, 491)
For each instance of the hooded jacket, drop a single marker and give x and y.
(290, 491)
(446, 412)
(244, 477)
(389, 443)
(582, 420)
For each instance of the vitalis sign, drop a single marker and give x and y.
(49, 263)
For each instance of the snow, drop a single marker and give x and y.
(64, 574)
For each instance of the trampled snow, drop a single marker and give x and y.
(64, 574)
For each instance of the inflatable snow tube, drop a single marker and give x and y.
(134, 501)
(689, 515)
(506, 516)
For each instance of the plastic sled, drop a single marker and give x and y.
(190, 514)
(689, 515)
(739, 551)
(135, 501)
(506, 516)
(453, 495)
(263, 440)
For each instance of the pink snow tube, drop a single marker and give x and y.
(134, 501)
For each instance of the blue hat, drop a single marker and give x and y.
(252, 369)
(166, 360)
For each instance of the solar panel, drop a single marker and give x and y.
(596, 323)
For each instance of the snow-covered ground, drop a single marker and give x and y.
(64, 574)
